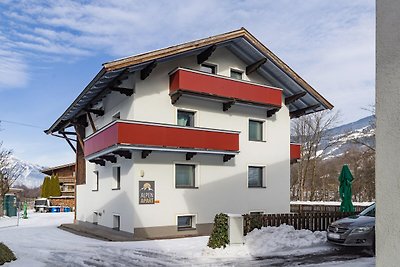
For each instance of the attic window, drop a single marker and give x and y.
(236, 74)
(209, 68)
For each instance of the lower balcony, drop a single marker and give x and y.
(121, 137)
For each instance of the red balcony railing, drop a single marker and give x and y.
(295, 151)
(144, 135)
(184, 81)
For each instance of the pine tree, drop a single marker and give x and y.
(45, 187)
(56, 189)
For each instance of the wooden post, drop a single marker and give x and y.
(80, 164)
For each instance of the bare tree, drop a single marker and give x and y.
(311, 131)
(9, 173)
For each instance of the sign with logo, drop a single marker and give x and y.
(147, 192)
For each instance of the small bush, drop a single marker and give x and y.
(6, 255)
(219, 235)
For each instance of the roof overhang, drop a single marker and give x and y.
(239, 42)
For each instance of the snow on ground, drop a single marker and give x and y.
(38, 242)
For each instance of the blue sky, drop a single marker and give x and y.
(50, 50)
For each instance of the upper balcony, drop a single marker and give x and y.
(295, 152)
(227, 90)
(122, 136)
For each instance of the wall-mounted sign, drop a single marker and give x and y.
(147, 192)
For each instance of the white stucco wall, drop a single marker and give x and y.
(388, 133)
(222, 186)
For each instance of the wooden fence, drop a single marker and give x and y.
(314, 221)
(300, 208)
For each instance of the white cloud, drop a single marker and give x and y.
(330, 43)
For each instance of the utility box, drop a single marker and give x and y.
(235, 229)
(10, 205)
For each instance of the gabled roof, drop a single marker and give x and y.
(240, 42)
(49, 171)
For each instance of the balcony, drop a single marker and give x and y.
(295, 152)
(120, 137)
(224, 89)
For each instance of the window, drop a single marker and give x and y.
(208, 68)
(96, 181)
(116, 222)
(184, 176)
(185, 118)
(186, 222)
(117, 178)
(255, 177)
(256, 130)
(256, 213)
(236, 74)
(116, 116)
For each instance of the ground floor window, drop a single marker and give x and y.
(185, 175)
(258, 212)
(116, 222)
(255, 177)
(186, 222)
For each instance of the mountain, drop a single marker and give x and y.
(31, 176)
(354, 135)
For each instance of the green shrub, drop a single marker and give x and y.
(6, 255)
(219, 235)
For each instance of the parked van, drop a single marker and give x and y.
(42, 205)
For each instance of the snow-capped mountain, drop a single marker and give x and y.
(31, 176)
(355, 135)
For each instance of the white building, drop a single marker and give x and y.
(169, 138)
(387, 133)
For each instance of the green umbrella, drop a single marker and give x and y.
(346, 179)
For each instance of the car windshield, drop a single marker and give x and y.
(40, 202)
(370, 211)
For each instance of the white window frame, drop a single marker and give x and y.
(196, 174)
(264, 178)
(116, 186)
(194, 221)
(236, 70)
(264, 129)
(195, 116)
(96, 178)
(210, 64)
(119, 222)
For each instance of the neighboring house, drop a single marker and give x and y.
(67, 179)
(167, 139)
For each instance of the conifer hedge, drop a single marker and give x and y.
(6, 255)
(219, 235)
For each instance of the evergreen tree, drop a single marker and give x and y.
(45, 187)
(56, 189)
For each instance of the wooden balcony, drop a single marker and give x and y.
(295, 152)
(125, 135)
(225, 89)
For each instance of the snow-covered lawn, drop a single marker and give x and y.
(38, 242)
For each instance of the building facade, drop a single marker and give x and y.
(387, 133)
(168, 139)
